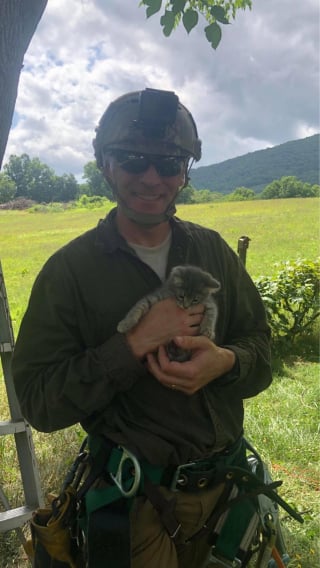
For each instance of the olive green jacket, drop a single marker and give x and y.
(71, 365)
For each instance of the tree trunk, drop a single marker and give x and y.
(18, 22)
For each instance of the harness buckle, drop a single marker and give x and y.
(179, 478)
(135, 471)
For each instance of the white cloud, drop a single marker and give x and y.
(304, 130)
(258, 89)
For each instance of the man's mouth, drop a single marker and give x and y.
(147, 196)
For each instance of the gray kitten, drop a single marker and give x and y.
(189, 285)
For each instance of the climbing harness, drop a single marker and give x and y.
(88, 526)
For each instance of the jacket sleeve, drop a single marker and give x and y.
(246, 331)
(59, 379)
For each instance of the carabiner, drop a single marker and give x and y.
(136, 473)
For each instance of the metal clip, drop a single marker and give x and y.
(136, 473)
(222, 562)
(180, 478)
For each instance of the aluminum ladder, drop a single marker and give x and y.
(13, 518)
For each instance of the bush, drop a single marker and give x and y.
(241, 194)
(289, 186)
(205, 196)
(291, 299)
(19, 203)
(92, 201)
(54, 207)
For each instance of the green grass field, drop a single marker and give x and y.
(282, 422)
(279, 230)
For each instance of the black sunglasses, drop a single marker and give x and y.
(166, 166)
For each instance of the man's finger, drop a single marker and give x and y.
(191, 341)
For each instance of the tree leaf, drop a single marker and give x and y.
(219, 14)
(153, 7)
(167, 21)
(178, 6)
(190, 19)
(213, 34)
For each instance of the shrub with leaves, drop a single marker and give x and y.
(291, 299)
(92, 201)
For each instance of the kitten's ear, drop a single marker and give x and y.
(176, 280)
(174, 270)
(175, 276)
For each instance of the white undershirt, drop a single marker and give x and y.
(156, 257)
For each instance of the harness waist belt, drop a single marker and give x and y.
(194, 477)
(129, 474)
(197, 475)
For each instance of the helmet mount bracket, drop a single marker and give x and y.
(157, 111)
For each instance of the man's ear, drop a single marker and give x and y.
(107, 171)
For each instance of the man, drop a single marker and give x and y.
(71, 365)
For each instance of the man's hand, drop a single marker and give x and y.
(164, 321)
(208, 362)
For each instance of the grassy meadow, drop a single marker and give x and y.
(282, 422)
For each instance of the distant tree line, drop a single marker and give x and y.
(29, 178)
(287, 186)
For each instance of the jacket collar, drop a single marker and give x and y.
(109, 239)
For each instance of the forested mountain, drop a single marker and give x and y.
(255, 170)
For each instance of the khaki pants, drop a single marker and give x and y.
(150, 543)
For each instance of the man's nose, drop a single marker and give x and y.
(151, 176)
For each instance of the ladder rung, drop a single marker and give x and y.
(11, 427)
(15, 518)
(6, 347)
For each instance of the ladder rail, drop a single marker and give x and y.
(13, 518)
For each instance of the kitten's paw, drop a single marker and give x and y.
(208, 333)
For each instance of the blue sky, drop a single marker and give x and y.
(258, 89)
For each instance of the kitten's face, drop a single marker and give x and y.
(191, 285)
